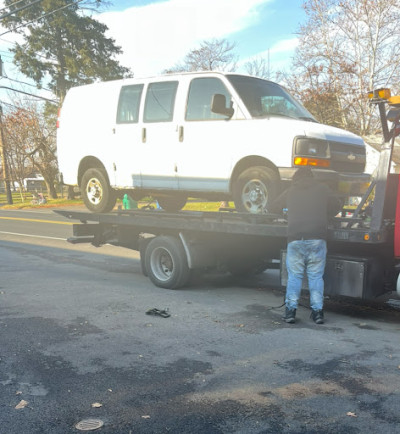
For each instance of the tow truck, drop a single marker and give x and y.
(363, 244)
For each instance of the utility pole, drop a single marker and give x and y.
(4, 162)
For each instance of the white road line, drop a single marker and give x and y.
(33, 236)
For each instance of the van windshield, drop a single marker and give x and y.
(264, 98)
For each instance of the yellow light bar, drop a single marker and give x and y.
(315, 162)
(394, 100)
(383, 93)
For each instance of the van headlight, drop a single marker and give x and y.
(311, 152)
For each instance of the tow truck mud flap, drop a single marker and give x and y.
(347, 276)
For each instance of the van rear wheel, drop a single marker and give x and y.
(254, 189)
(97, 193)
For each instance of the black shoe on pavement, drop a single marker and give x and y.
(317, 316)
(290, 315)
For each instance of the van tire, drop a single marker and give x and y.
(173, 203)
(96, 192)
(166, 262)
(254, 188)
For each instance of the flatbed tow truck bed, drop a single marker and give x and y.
(171, 245)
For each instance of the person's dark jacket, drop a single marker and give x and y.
(309, 204)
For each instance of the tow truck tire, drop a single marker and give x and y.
(97, 194)
(173, 203)
(254, 188)
(166, 262)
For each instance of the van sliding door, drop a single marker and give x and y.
(127, 137)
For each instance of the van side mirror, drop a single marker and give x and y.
(218, 105)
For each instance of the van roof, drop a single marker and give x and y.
(161, 77)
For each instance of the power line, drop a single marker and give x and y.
(20, 9)
(23, 82)
(41, 17)
(11, 5)
(12, 105)
(29, 94)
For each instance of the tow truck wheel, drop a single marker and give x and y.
(97, 194)
(173, 203)
(166, 262)
(254, 188)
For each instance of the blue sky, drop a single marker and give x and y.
(156, 34)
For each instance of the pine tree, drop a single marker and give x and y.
(62, 44)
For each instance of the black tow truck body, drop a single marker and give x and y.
(363, 244)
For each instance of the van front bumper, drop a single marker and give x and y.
(345, 184)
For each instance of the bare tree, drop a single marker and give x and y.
(212, 55)
(30, 139)
(259, 67)
(347, 48)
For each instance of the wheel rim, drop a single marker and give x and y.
(162, 264)
(94, 191)
(255, 196)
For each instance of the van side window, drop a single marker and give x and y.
(160, 100)
(128, 104)
(200, 96)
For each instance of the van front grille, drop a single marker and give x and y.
(347, 157)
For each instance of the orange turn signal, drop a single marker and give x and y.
(316, 162)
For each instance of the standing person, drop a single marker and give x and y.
(309, 203)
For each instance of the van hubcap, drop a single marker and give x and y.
(255, 196)
(94, 191)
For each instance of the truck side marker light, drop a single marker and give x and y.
(366, 237)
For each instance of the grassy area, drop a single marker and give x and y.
(18, 203)
(26, 202)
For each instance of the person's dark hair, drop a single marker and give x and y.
(302, 173)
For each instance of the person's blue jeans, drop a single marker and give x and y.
(305, 257)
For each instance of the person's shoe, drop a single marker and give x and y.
(290, 315)
(317, 316)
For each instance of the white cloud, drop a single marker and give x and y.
(279, 55)
(156, 36)
(285, 45)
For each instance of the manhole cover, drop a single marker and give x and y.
(89, 424)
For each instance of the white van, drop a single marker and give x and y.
(208, 135)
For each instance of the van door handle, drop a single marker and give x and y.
(181, 134)
(144, 135)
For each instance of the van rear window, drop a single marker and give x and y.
(128, 104)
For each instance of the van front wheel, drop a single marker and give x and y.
(96, 192)
(254, 189)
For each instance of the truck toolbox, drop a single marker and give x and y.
(347, 276)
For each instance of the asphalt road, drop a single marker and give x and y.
(76, 343)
